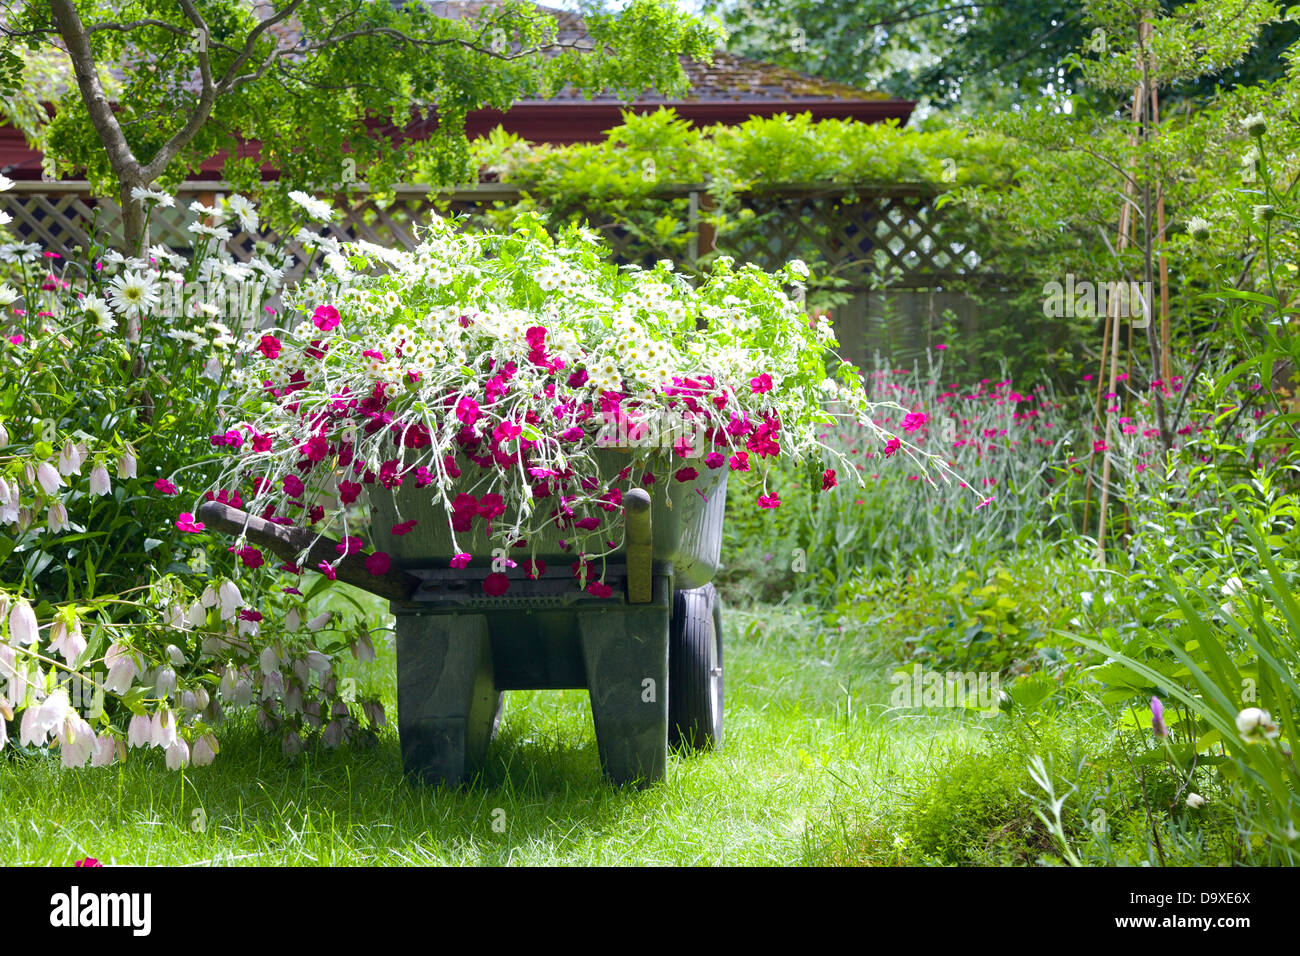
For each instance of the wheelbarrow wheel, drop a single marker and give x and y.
(695, 670)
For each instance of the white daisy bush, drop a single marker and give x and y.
(120, 629)
(490, 371)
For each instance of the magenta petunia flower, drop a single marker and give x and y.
(467, 410)
(461, 560)
(600, 589)
(403, 528)
(769, 501)
(534, 569)
(327, 569)
(349, 545)
(378, 563)
(496, 584)
(270, 346)
(187, 523)
(828, 479)
(739, 461)
(892, 446)
(761, 383)
(251, 557)
(293, 486)
(165, 486)
(325, 318)
(914, 420)
(686, 474)
(506, 430)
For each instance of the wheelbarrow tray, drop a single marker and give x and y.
(686, 524)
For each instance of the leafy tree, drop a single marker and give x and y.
(313, 82)
(972, 55)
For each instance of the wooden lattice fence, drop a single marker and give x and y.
(859, 234)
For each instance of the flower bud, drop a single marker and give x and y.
(99, 482)
(205, 750)
(48, 478)
(22, 624)
(69, 460)
(178, 754)
(139, 733)
(126, 466)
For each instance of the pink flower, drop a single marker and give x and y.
(461, 560)
(316, 448)
(348, 491)
(1158, 718)
(828, 479)
(187, 523)
(496, 584)
(293, 486)
(686, 474)
(491, 505)
(941, 346)
(403, 528)
(892, 446)
(739, 461)
(251, 557)
(1099, 446)
(600, 589)
(326, 317)
(378, 563)
(913, 421)
(506, 431)
(349, 545)
(761, 383)
(269, 346)
(467, 410)
(327, 569)
(534, 569)
(165, 486)
(715, 460)
(769, 501)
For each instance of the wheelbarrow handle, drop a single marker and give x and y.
(288, 543)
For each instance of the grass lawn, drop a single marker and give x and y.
(812, 760)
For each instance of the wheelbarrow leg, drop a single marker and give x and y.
(625, 649)
(447, 700)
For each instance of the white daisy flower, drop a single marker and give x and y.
(97, 309)
(132, 293)
(216, 232)
(243, 208)
(317, 209)
(152, 195)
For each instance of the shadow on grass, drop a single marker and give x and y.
(353, 805)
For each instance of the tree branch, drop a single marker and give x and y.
(125, 166)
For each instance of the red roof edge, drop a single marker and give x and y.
(581, 122)
(588, 122)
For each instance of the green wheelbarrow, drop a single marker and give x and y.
(650, 654)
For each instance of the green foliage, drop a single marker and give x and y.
(632, 182)
(971, 58)
(313, 102)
